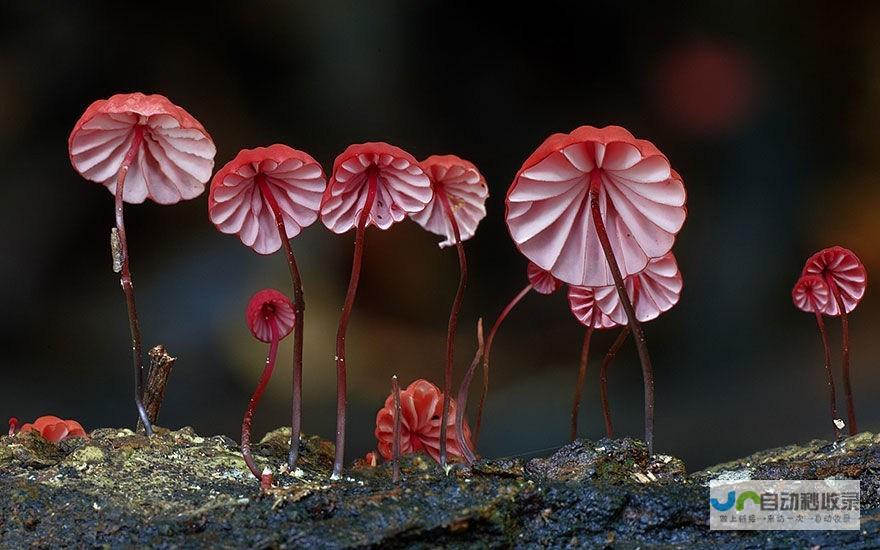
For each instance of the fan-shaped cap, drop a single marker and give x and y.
(402, 187)
(653, 291)
(421, 404)
(641, 198)
(175, 158)
(465, 189)
(270, 309)
(582, 302)
(236, 204)
(542, 281)
(843, 272)
(810, 294)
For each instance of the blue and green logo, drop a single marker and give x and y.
(733, 499)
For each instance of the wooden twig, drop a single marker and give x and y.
(160, 368)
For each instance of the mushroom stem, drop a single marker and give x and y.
(461, 405)
(13, 424)
(829, 375)
(252, 405)
(372, 185)
(603, 379)
(395, 448)
(299, 307)
(453, 323)
(634, 325)
(121, 262)
(844, 327)
(486, 351)
(579, 386)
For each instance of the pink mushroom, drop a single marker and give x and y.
(653, 291)
(847, 281)
(140, 147)
(267, 196)
(421, 405)
(372, 184)
(54, 429)
(592, 207)
(457, 206)
(271, 317)
(811, 294)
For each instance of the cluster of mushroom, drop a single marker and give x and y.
(833, 282)
(143, 146)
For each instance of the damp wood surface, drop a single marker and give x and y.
(180, 490)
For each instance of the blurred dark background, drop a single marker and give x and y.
(770, 111)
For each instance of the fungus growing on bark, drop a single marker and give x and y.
(592, 207)
(140, 147)
(421, 405)
(267, 196)
(811, 294)
(270, 317)
(371, 184)
(542, 282)
(847, 281)
(455, 209)
(53, 429)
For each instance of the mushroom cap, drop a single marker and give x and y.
(582, 302)
(652, 291)
(542, 281)
(236, 205)
(55, 429)
(269, 308)
(403, 187)
(641, 198)
(421, 405)
(811, 294)
(843, 272)
(175, 159)
(465, 189)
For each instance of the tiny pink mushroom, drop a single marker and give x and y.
(140, 147)
(371, 184)
(267, 196)
(270, 317)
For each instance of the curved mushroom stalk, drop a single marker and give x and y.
(267, 195)
(812, 295)
(846, 279)
(371, 183)
(603, 379)
(270, 317)
(458, 205)
(395, 391)
(140, 147)
(460, 435)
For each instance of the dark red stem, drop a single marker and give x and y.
(125, 279)
(487, 350)
(847, 388)
(603, 379)
(453, 323)
(634, 325)
(395, 448)
(461, 404)
(252, 405)
(299, 308)
(372, 185)
(829, 375)
(579, 386)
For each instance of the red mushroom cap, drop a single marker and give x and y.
(403, 187)
(542, 281)
(844, 274)
(464, 188)
(582, 302)
(811, 294)
(237, 206)
(54, 429)
(174, 161)
(548, 205)
(270, 309)
(652, 291)
(421, 404)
